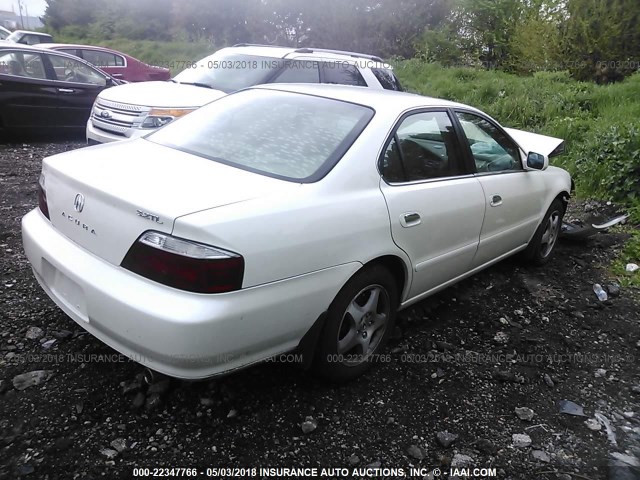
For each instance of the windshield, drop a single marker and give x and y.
(230, 72)
(285, 135)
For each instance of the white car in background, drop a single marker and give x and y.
(286, 217)
(132, 111)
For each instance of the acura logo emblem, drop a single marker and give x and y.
(105, 114)
(78, 203)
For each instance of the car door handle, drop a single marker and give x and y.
(116, 75)
(66, 90)
(496, 201)
(410, 219)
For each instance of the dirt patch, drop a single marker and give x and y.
(461, 362)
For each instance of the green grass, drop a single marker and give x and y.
(630, 254)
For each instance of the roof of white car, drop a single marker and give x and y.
(290, 52)
(371, 97)
(31, 32)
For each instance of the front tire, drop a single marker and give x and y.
(359, 323)
(544, 240)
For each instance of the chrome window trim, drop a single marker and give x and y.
(427, 180)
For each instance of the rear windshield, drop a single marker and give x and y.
(285, 135)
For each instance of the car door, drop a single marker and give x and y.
(435, 203)
(77, 86)
(28, 98)
(514, 197)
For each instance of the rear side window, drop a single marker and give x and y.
(423, 148)
(285, 135)
(102, 59)
(342, 74)
(387, 79)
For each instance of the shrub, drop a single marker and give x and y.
(608, 162)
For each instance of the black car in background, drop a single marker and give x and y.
(43, 91)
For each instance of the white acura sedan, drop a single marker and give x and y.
(282, 218)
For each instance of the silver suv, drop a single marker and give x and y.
(135, 109)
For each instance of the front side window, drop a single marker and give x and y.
(285, 135)
(299, 71)
(22, 64)
(492, 150)
(32, 39)
(70, 70)
(342, 74)
(424, 147)
(70, 51)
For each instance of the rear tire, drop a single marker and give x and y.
(541, 246)
(359, 322)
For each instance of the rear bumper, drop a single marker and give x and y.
(177, 333)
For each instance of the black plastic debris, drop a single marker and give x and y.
(579, 231)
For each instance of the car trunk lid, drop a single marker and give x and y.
(104, 197)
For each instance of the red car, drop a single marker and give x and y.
(116, 64)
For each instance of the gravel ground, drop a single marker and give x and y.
(486, 361)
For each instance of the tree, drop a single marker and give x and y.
(536, 42)
(489, 26)
(62, 13)
(602, 38)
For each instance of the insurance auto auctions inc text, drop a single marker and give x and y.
(374, 472)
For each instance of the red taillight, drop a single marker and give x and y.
(185, 265)
(42, 197)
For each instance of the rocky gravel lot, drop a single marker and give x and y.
(477, 376)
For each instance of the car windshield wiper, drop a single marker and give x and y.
(197, 84)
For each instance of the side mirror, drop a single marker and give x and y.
(536, 161)
(114, 82)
